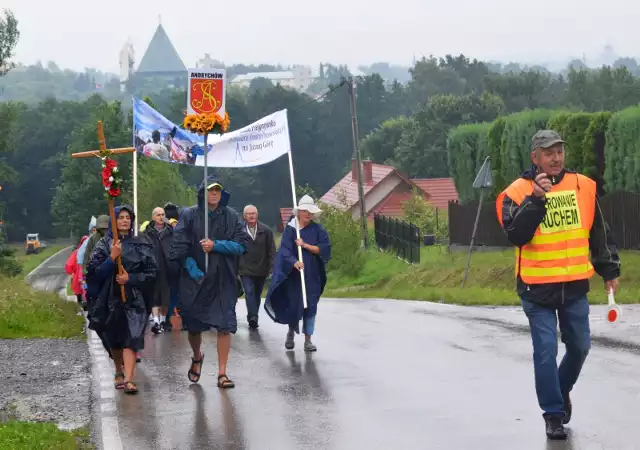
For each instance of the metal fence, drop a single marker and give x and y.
(621, 210)
(399, 237)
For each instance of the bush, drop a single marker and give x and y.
(468, 147)
(423, 215)
(622, 151)
(494, 140)
(594, 139)
(9, 265)
(515, 147)
(347, 253)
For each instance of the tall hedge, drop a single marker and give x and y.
(622, 151)
(494, 140)
(593, 163)
(558, 120)
(468, 147)
(515, 146)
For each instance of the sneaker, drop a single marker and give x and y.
(568, 408)
(156, 328)
(309, 346)
(253, 324)
(555, 428)
(289, 343)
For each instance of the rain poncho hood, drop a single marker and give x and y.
(224, 200)
(118, 209)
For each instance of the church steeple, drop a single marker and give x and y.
(161, 56)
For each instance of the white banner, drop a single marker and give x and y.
(258, 143)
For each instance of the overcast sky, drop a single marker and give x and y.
(80, 33)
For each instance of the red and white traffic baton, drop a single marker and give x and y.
(614, 312)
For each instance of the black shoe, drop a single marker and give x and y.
(567, 408)
(156, 328)
(555, 429)
(253, 324)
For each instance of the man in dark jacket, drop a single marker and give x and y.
(256, 263)
(159, 234)
(553, 217)
(207, 265)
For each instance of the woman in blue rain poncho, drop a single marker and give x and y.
(121, 324)
(284, 302)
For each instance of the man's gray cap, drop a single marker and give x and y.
(545, 139)
(103, 222)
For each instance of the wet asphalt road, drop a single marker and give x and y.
(50, 276)
(387, 375)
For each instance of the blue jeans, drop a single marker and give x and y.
(552, 382)
(308, 325)
(252, 293)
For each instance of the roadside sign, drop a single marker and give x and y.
(484, 179)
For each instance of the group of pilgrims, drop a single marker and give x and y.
(174, 261)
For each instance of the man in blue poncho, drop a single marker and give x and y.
(284, 302)
(207, 297)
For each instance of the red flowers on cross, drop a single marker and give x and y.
(111, 179)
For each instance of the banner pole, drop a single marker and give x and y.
(295, 206)
(135, 169)
(206, 204)
(135, 191)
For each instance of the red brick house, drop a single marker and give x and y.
(385, 190)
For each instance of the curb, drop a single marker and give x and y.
(105, 424)
(33, 272)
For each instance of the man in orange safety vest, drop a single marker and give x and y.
(552, 215)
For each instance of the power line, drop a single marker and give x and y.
(321, 96)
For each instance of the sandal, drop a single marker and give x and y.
(130, 388)
(225, 382)
(116, 384)
(194, 376)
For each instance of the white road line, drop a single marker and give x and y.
(103, 384)
(108, 407)
(111, 434)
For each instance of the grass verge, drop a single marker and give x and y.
(439, 275)
(25, 313)
(17, 435)
(30, 262)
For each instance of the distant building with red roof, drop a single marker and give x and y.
(385, 190)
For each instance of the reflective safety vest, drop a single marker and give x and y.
(559, 249)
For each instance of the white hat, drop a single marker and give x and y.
(92, 223)
(306, 203)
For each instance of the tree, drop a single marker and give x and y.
(79, 193)
(429, 79)
(422, 150)
(9, 35)
(259, 83)
(381, 143)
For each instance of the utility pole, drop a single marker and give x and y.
(356, 150)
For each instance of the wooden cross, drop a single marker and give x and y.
(112, 213)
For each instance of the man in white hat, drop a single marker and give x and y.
(284, 302)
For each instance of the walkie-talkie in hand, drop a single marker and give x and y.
(536, 171)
